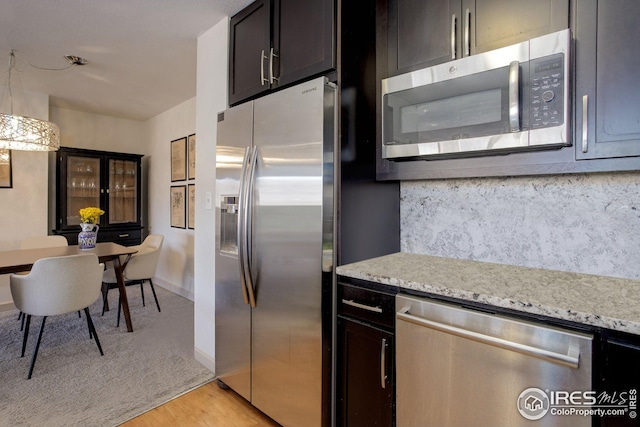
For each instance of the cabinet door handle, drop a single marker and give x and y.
(453, 36)
(123, 235)
(467, 30)
(362, 306)
(262, 58)
(272, 55)
(383, 364)
(585, 123)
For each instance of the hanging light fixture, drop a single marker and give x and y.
(26, 133)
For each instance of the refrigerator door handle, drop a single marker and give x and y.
(242, 207)
(247, 221)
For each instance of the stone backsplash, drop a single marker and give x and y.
(587, 223)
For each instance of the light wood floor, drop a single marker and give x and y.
(206, 406)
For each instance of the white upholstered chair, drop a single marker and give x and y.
(35, 242)
(57, 285)
(43, 242)
(141, 268)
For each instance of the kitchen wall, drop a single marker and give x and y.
(23, 208)
(580, 223)
(211, 99)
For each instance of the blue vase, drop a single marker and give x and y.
(88, 236)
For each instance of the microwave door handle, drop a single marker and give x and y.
(514, 96)
(467, 30)
(453, 36)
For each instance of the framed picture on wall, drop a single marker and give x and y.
(178, 206)
(191, 149)
(191, 217)
(179, 159)
(5, 169)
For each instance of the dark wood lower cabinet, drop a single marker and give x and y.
(366, 354)
(366, 366)
(620, 370)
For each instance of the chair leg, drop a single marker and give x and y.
(119, 310)
(154, 294)
(35, 352)
(25, 335)
(21, 321)
(142, 291)
(105, 301)
(92, 329)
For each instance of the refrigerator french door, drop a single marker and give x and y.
(274, 251)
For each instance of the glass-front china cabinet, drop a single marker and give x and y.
(109, 181)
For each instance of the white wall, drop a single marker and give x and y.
(23, 208)
(97, 132)
(581, 223)
(175, 269)
(211, 99)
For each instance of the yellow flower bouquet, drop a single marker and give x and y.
(90, 215)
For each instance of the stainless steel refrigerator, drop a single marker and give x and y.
(275, 221)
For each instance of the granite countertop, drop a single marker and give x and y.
(600, 301)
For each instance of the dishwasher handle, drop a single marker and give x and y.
(572, 359)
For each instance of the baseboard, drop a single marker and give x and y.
(202, 357)
(174, 288)
(6, 306)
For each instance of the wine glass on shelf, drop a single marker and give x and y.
(92, 186)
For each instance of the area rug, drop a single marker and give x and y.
(72, 385)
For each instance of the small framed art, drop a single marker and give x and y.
(191, 206)
(179, 159)
(178, 206)
(191, 149)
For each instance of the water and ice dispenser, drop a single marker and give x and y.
(229, 224)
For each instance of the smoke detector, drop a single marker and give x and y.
(75, 60)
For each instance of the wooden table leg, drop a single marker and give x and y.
(119, 270)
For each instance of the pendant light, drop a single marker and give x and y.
(26, 133)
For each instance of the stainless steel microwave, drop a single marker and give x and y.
(507, 100)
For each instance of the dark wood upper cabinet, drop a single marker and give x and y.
(274, 43)
(249, 43)
(422, 33)
(304, 38)
(607, 102)
(497, 23)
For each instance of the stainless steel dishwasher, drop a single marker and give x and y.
(460, 367)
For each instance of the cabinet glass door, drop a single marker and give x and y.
(123, 178)
(83, 186)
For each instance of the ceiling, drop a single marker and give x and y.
(141, 53)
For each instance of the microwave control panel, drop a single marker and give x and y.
(547, 91)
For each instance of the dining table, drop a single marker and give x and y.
(20, 260)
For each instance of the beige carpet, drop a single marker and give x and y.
(72, 385)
